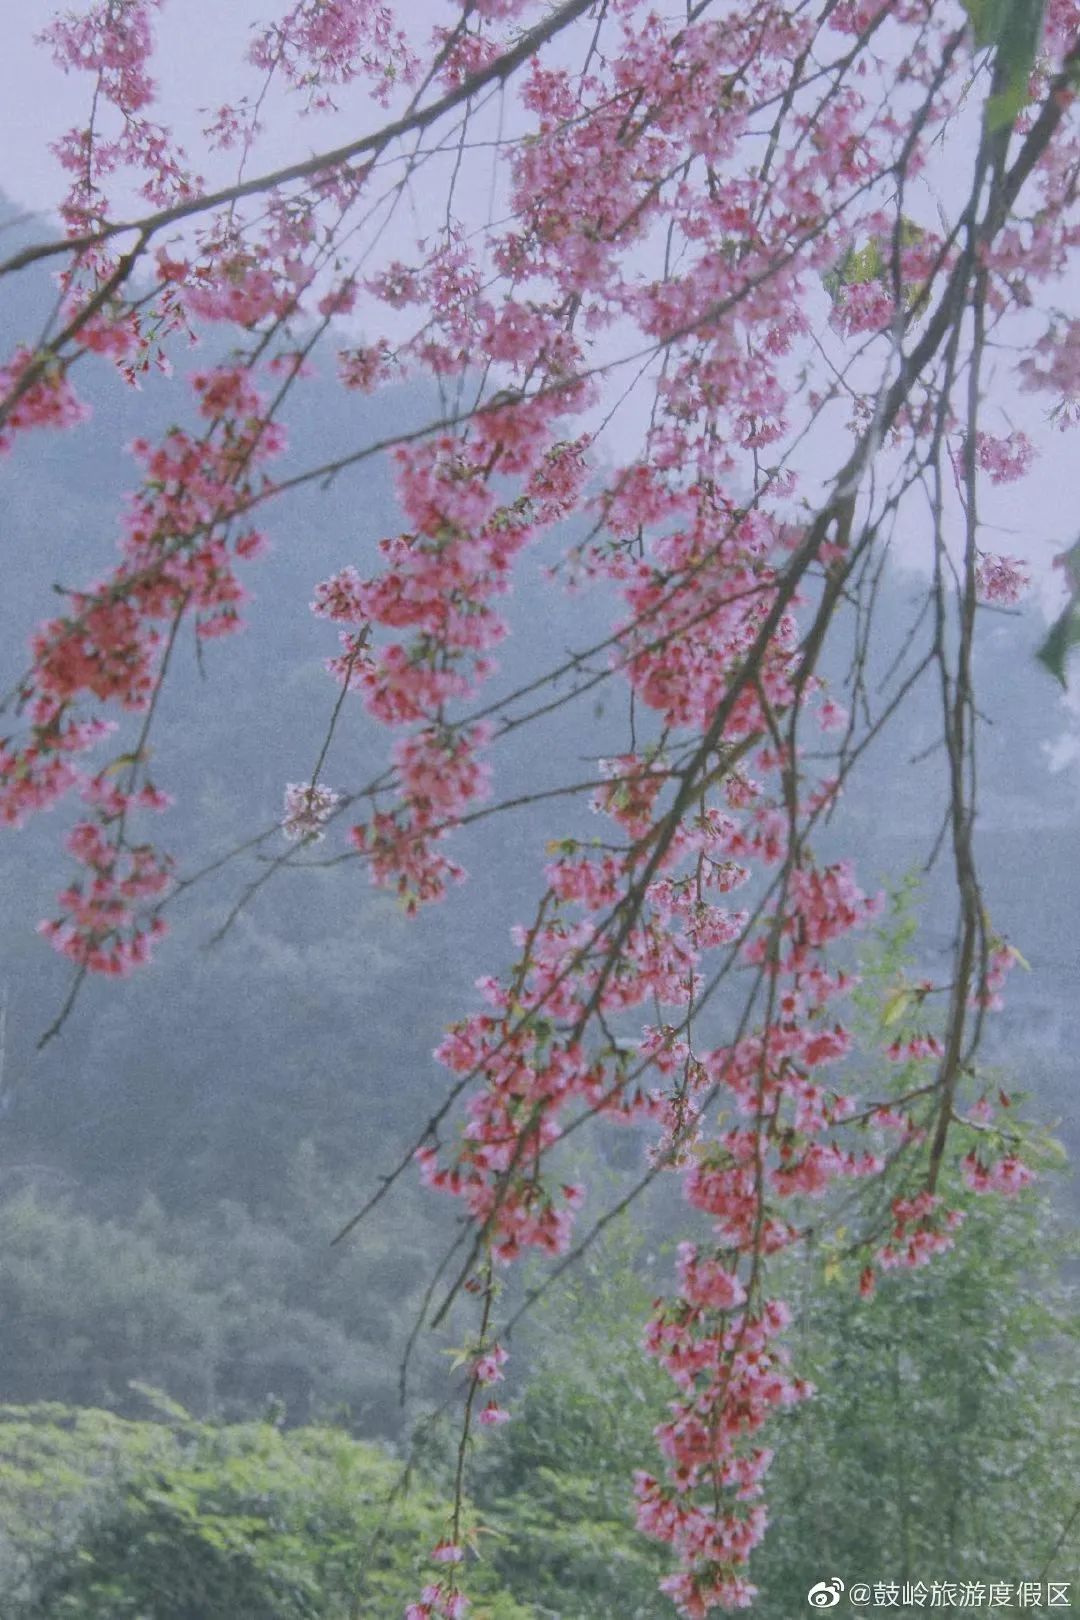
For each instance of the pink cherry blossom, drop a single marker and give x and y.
(1006, 459)
(1001, 580)
(308, 807)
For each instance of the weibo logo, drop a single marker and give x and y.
(826, 1594)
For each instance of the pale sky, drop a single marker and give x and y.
(201, 45)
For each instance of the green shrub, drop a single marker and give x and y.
(109, 1519)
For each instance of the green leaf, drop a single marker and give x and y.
(896, 1006)
(121, 762)
(1064, 636)
(1017, 30)
(864, 265)
(1070, 561)
(987, 18)
(1003, 109)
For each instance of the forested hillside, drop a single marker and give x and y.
(174, 1164)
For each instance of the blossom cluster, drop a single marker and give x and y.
(1001, 580)
(308, 807)
(183, 535)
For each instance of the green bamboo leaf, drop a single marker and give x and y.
(987, 19)
(1070, 561)
(1013, 29)
(1064, 636)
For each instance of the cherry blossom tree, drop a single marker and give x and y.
(732, 299)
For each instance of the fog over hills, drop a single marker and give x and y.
(230, 1106)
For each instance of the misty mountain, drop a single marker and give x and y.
(246, 1094)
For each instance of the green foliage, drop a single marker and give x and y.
(1012, 29)
(558, 1483)
(1063, 636)
(1064, 633)
(943, 1438)
(858, 266)
(53, 1460)
(89, 1304)
(222, 1309)
(946, 1426)
(191, 1521)
(892, 1002)
(873, 262)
